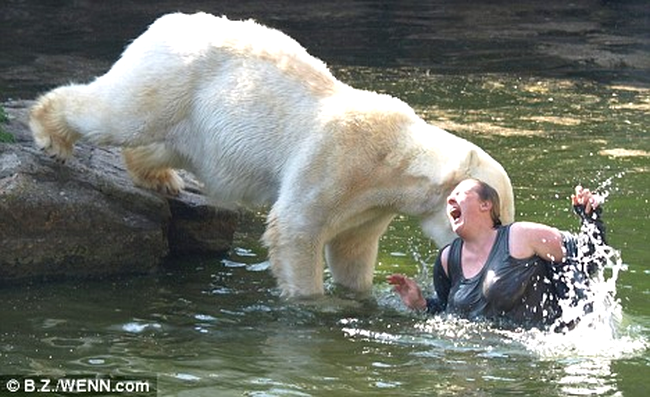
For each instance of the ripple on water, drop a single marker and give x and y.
(136, 327)
(53, 322)
(102, 362)
(70, 343)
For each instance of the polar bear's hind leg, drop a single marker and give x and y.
(150, 167)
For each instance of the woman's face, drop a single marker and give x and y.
(463, 204)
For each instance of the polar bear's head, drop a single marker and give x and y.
(446, 161)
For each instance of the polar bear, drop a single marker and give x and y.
(260, 121)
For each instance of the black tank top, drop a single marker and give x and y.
(507, 290)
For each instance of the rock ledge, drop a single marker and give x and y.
(86, 218)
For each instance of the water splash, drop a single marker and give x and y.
(603, 189)
(587, 293)
(600, 332)
(415, 248)
(591, 303)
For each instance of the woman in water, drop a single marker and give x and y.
(523, 274)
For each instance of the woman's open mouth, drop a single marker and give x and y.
(454, 213)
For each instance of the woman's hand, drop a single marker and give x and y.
(408, 290)
(584, 202)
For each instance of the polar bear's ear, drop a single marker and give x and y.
(463, 169)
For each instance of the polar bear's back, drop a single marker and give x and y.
(212, 89)
(205, 41)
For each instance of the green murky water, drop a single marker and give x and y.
(217, 327)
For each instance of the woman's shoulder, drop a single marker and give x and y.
(532, 231)
(532, 238)
(527, 227)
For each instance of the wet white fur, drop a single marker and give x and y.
(260, 121)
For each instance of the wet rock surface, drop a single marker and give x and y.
(86, 218)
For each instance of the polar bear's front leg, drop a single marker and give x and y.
(295, 253)
(351, 255)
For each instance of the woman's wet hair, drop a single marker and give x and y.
(488, 193)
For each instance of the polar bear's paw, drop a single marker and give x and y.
(55, 146)
(165, 181)
(149, 168)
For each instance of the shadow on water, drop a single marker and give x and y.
(556, 91)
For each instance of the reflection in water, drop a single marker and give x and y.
(588, 377)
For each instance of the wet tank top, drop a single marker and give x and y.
(507, 290)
